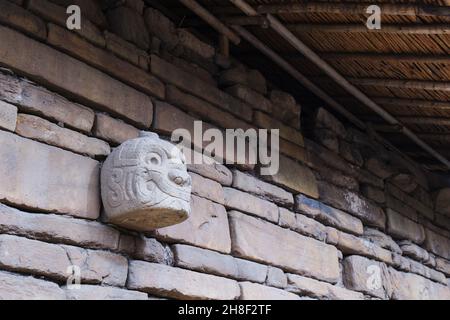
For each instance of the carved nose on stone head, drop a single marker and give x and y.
(180, 178)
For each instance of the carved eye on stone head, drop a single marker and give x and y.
(179, 178)
(153, 159)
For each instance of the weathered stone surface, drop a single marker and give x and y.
(409, 200)
(328, 215)
(59, 182)
(160, 26)
(336, 178)
(401, 227)
(61, 229)
(90, 292)
(36, 128)
(126, 50)
(214, 171)
(437, 244)
(350, 244)
(400, 207)
(198, 87)
(8, 116)
(109, 94)
(302, 224)
(57, 14)
(324, 119)
(404, 181)
(256, 100)
(129, 25)
(367, 276)
(443, 265)
(262, 241)
(276, 278)
(206, 110)
(238, 200)
(292, 150)
(373, 193)
(243, 76)
(408, 286)
(350, 153)
(296, 177)
(207, 188)
(179, 283)
(206, 261)
(107, 62)
(319, 289)
(113, 130)
(35, 257)
(151, 250)
(381, 239)
(207, 227)
(253, 291)
(414, 251)
(285, 108)
(353, 203)
(263, 189)
(17, 17)
(327, 138)
(159, 194)
(442, 201)
(101, 267)
(37, 100)
(424, 271)
(188, 40)
(379, 167)
(265, 121)
(17, 287)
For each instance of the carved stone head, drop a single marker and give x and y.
(145, 184)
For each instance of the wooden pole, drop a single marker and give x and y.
(224, 46)
(211, 20)
(362, 28)
(411, 10)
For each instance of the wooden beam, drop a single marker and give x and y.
(387, 128)
(415, 58)
(429, 29)
(425, 120)
(426, 104)
(355, 8)
(436, 137)
(404, 84)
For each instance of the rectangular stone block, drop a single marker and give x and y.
(105, 61)
(296, 177)
(207, 188)
(37, 100)
(8, 116)
(33, 257)
(403, 228)
(102, 91)
(417, 204)
(320, 290)
(211, 262)
(207, 227)
(262, 241)
(52, 12)
(437, 244)
(285, 108)
(213, 171)
(352, 203)
(265, 121)
(178, 283)
(126, 50)
(374, 194)
(17, 17)
(276, 278)
(90, 292)
(198, 87)
(39, 129)
(61, 229)
(302, 224)
(443, 265)
(253, 291)
(262, 189)
(17, 287)
(47, 178)
(328, 215)
(188, 40)
(113, 130)
(238, 200)
(253, 98)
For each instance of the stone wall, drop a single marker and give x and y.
(345, 217)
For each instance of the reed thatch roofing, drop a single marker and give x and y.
(404, 67)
